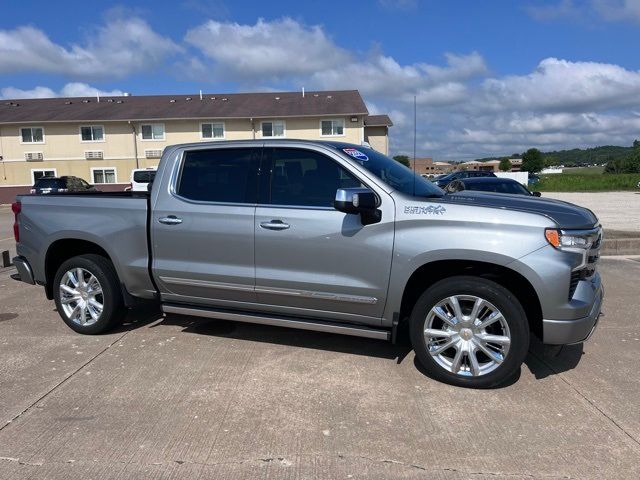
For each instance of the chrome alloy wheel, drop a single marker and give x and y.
(81, 296)
(466, 335)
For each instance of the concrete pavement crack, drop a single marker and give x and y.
(62, 382)
(588, 400)
(286, 463)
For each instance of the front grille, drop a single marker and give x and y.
(589, 269)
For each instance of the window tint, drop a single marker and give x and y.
(144, 176)
(222, 175)
(45, 182)
(306, 178)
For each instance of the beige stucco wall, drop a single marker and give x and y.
(64, 151)
(378, 138)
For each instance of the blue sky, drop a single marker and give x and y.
(491, 77)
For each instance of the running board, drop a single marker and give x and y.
(306, 324)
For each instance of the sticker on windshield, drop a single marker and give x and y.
(357, 154)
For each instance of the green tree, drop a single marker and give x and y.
(532, 161)
(403, 159)
(505, 165)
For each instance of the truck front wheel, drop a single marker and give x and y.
(87, 294)
(470, 332)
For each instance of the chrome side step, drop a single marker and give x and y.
(301, 324)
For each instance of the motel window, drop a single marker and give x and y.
(273, 129)
(103, 175)
(37, 174)
(32, 134)
(212, 130)
(92, 133)
(332, 128)
(154, 131)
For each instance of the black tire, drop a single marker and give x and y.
(113, 306)
(495, 294)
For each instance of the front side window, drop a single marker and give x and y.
(32, 134)
(306, 178)
(227, 175)
(104, 175)
(92, 133)
(212, 130)
(273, 129)
(332, 128)
(153, 131)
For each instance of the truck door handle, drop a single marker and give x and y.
(170, 220)
(274, 225)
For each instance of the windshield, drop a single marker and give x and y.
(393, 173)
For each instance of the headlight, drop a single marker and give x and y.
(571, 240)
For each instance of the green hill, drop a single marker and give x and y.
(579, 156)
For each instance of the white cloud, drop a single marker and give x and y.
(593, 11)
(398, 4)
(74, 89)
(115, 50)
(273, 50)
(570, 86)
(618, 10)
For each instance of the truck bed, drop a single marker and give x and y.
(116, 221)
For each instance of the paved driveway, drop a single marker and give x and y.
(189, 398)
(616, 210)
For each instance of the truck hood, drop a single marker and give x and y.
(564, 214)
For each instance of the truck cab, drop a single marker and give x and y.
(323, 236)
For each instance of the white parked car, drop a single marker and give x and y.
(141, 178)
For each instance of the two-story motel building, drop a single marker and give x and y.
(103, 139)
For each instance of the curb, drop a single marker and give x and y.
(621, 246)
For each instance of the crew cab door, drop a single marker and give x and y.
(312, 260)
(202, 227)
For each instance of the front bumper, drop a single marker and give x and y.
(564, 332)
(25, 274)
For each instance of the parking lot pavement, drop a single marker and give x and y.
(189, 398)
(616, 210)
(6, 231)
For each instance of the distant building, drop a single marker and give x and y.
(490, 165)
(426, 166)
(103, 139)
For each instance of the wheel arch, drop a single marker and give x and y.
(62, 250)
(430, 273)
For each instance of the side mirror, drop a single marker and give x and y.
(536, 194)
(360, 201)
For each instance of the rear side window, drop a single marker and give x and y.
(226, 175)
(144, 176)
(306, 178)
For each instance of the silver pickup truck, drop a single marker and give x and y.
(322, 236)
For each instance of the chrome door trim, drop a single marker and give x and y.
(339, 297)
(207, 284)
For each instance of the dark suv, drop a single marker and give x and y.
(447, 179)
(61, 184)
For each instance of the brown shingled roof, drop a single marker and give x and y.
(161, 107)
(377, 121)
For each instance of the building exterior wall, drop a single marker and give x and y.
(378, 138)
(64, 151)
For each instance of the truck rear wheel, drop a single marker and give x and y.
(470, 332)
(87, 294)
